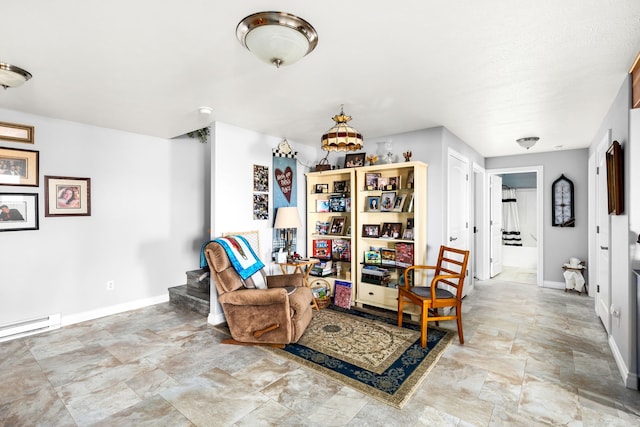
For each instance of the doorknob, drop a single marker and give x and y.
(604, 248)
(451, 239)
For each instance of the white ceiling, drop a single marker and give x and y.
(490, 71)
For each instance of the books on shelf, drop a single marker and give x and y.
(322, 205)
(322, 248)
(404, 254)
(387, 256)
(322, 269)
(375, 275)
(341, 250)
(342, 294)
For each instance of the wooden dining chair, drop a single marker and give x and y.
(444, 291)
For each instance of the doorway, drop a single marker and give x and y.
(516, 220)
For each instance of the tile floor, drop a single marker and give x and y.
(532, 357)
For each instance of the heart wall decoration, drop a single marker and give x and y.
(285, 181)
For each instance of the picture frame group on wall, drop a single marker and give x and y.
(18, 211)
(67, 196)
(19, 167)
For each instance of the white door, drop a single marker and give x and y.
(495, 184)
(603, 285)
(458, 208)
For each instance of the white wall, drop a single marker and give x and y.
(623, 335)
(148, 205)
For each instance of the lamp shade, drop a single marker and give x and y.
(277, 38)
(342, 137)
(287, 217)
(12, 76)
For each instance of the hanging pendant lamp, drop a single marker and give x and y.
(342, 137)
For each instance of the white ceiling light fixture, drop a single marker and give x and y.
(12, 76)
(277, 38)
(528, 142)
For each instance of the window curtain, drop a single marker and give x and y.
(510, 220)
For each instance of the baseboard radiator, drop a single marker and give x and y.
(29, 327)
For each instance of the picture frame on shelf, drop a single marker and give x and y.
(19, 167)
(391, 230)
(337, 227)
(382, 183)
(354, 160)
(16, 133)
(387, 200)
(410, 222)
(373, 203)
(410, 205)
(18, 211)
(337, 203)
(410, 179)
(371, 230)
(407, 234)
(398, 203)
(393, 183)
(340, 186)
(371, 180)
(67, 196)
(322, 188)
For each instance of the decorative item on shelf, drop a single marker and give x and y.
(277, 38)
(527, 142)
(12, 76)
(342, 137)
(323, 164)
(389, 156)
(407, 156)
(372, 159)
(287, 220)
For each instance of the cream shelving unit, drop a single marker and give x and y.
(344, 269)
(385, 295)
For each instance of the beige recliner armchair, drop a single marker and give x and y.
(274, 316)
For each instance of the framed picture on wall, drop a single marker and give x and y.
(18, 211)
(67, 196)
(16, 133)
(18, 167)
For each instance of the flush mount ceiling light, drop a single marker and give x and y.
(12, 76)
(528, 142)
(277, 38)
(342, 137)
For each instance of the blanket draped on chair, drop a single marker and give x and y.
(242, 257)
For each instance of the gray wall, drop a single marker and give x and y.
(560, 243)
(148, 220)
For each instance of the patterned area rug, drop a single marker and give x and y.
(368, 352)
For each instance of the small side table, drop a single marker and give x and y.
(576, 280)
(302, 267)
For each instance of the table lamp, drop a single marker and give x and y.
(287, 219)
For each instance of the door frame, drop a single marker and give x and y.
(480, 213)
(539, 170)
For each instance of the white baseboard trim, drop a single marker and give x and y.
(630, 379)
(113, 309)
(216, 318)
(553, 285)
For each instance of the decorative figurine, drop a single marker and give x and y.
(407, 156)
(372, 159)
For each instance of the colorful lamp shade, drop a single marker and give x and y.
(342, 137)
